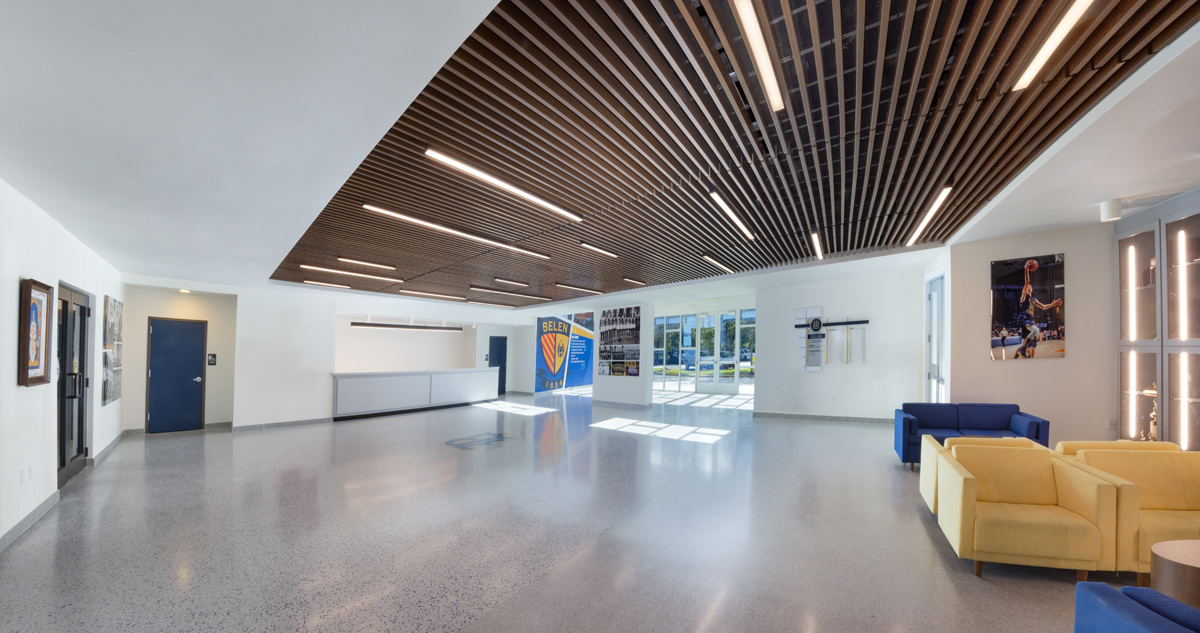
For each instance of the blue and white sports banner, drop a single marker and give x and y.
(564, 352)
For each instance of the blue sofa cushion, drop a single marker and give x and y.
(986, 433)
(1171, 609)
(992, 417)
(1101, 609)
(933, 416)
(938, 434)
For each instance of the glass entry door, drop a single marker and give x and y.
(74, 384)
(718, 367)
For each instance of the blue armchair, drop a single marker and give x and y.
(1099, 608)
(914, 419)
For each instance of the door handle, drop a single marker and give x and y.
(196, 379)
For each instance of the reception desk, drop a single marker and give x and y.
(377, 393)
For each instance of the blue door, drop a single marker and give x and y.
(175, 386)
(498, 357)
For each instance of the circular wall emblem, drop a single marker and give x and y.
(815, 325)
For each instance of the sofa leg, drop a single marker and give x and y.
(1081, 575)
(979, 568)
(1143, 580)
(912, 466)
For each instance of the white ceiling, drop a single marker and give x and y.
(1140, 144)
(199, 140)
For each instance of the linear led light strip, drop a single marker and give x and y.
(1183, 287)
(446, 229)
(758, 49)
(598, 249)
(732, 216)
(511, 294)
(816, 240)
(634, 281)
(351, 274)
(362, 263)
(1133, 395)
(928, 216)
(432, 294)
(402, 326)
(1185, 382)
(321, 283)
(716, 263)
(595, 292)
(1056, 37)
(494, 305)
(500, 184)
(511, 282)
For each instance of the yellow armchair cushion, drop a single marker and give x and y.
(969, 440)
(1156, 526)
(1071, 447)
(1010, 475)
(1169, 480)
(1043, 531)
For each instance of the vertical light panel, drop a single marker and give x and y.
(1183, 287)
(1133, 394)
(1132, 291)
(1185, 383)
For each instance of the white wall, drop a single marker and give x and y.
(521, 359)
(35, 246)
(1074, 392)
(371, 349)
(635, 390)
(893, 301)
(219, 310)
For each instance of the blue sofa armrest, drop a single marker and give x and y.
(1101, 609)
(1178, 612)
(906, 425)
(1032, 427)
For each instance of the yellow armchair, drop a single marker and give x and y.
(1022, 506)
(1158, 499)
(930, 448)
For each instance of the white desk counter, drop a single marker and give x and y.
(385, 392)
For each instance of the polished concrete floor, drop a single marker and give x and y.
(375, 525)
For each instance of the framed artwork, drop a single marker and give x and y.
(114, 326)
(1028, 318)
(34, 333)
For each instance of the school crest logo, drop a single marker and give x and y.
(555, 341)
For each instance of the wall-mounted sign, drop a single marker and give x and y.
(564, 352)
(830, 341)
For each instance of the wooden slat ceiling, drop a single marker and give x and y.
(626, 113)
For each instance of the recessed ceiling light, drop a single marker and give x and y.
(1056, 37)
(446, 229)
(494, 305)
(404, 326)
(753, 35)
(708, 258)
(597, 249)
(595, 292)
(511, 282)
(432, 294)
(511, 294)
(816, 240)
(729, 212)
(928, 216)
(362, 263)
(496, 182)
(321, 283)
(352, 274)
(634, 281)
(186, 292)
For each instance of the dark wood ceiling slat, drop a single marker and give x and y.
(627, 112)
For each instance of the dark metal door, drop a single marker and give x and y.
(175, 382)
(498, 357)
(74, 384)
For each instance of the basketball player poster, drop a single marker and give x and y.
(1028, 308)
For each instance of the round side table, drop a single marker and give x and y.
(1175, 570)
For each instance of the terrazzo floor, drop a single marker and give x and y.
(375, 525)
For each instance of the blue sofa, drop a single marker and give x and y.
(914, 419)
(1101, 609)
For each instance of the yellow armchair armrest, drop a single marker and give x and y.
(1092, 498)
(957, 493)
(929, 452)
